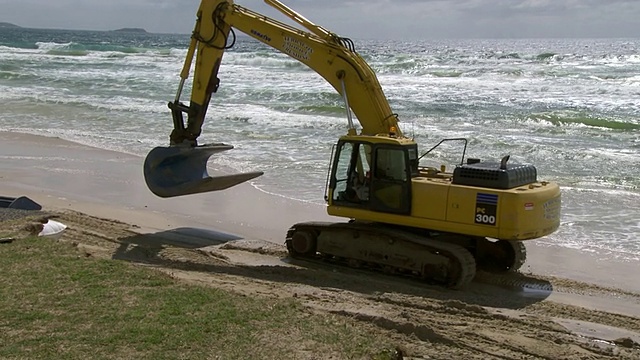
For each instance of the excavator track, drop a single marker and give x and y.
(381, 248)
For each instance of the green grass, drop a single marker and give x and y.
(55, 303)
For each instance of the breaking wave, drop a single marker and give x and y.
(586, 120)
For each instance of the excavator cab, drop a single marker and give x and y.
(375, 176)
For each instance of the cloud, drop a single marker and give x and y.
(365, 19)
(528, 8)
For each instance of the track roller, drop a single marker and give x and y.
(303, 243)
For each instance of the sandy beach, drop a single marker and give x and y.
(565, 304)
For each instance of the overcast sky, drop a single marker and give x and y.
(357, 19)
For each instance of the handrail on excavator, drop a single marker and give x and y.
(297, 17)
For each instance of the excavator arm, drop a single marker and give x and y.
(181, 168)
(332, 57)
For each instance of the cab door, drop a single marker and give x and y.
(350, 181)
(390, 189)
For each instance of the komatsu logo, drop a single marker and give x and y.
(260, 35)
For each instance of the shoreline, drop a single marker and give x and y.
(60, 174)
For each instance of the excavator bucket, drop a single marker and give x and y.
(182, 170)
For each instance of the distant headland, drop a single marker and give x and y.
(134, 30)
(6, 25)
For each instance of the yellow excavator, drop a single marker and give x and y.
(404, 218)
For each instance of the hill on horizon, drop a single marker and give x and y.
(8, 25)
(136, 30)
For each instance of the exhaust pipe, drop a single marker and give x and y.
(182, 170)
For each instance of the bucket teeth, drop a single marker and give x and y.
(182, 170)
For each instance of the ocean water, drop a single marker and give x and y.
(571, 107)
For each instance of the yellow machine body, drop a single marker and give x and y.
(403, 217)
(528, 211)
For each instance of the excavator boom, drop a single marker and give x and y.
(181, 168)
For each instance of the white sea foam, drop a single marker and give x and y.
(45, 46)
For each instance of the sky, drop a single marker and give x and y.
(356, 19)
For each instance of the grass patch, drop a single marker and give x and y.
(55, 303)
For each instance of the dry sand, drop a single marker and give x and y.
(566, 305)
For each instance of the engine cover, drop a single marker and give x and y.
(495, 175)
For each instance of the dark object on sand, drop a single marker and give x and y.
(21, 202)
